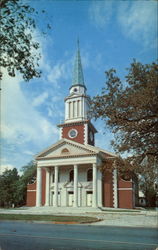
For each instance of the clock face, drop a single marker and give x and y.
(72, 133)
(91, 136)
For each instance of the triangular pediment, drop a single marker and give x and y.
(66, 148)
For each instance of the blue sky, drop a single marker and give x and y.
(111, 34)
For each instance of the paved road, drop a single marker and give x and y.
(31, 236)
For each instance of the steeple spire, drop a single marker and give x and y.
(78, 78)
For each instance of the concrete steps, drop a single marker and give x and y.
(63, 210)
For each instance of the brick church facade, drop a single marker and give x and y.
(69, 173)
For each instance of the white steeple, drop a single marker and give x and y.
(77, 103)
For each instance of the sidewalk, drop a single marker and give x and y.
(109, 217)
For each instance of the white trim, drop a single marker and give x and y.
(94, 204)
(47, 189)
(99, 183)
(31, 190)
(39, 187)
(67, 161)
(75, 185)
(115, 196)
(60, 133)
(56, 186)
(64, 140)
(74, 131)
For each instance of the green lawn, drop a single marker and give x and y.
(52, 218)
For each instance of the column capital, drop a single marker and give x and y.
(47, 169)
(75, 165)
(95, 165)
(39, 168)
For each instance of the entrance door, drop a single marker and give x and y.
(53, 199)
(89, 198)
(70, 198)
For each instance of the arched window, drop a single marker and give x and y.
(89, 174)
(64, 151)
(71, 175)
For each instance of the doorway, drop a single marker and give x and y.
(70, 198)
(53, 199)
(89, 196)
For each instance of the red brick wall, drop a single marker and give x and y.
(124, 184)
(80, 136)
(125, 196)
(107, 190)
(31, 195)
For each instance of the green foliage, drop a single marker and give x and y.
(18, 49)
(13, 187)
(8, 184)
(29, 176)
(130, 109)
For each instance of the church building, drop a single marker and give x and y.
(69, 173)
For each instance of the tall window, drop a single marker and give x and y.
(53, 177)
(89, 175)
(71, 175)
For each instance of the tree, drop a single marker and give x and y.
(13, 187)
(130, 110)
(18, 49)
(8, 184)
(28, 176)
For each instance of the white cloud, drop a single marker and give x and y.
(40, 99)
(60, 71)
(5, 167)
(23, 127)
(138, 20)
(21, 122)
(100, 13)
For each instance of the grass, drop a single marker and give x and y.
(121, 210)
(52, 218)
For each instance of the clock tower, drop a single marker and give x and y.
(77, 125)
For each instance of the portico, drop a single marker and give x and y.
(59, 187)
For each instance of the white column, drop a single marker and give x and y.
(94, 185)
(83, 100)
(115, 196)
(66, 110)
(47, 196)
(75, 186)
(56, 187)
(39, 187)
(100, 193)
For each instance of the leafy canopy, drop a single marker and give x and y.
(13, 188)
(18, 49)
(130, 109)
